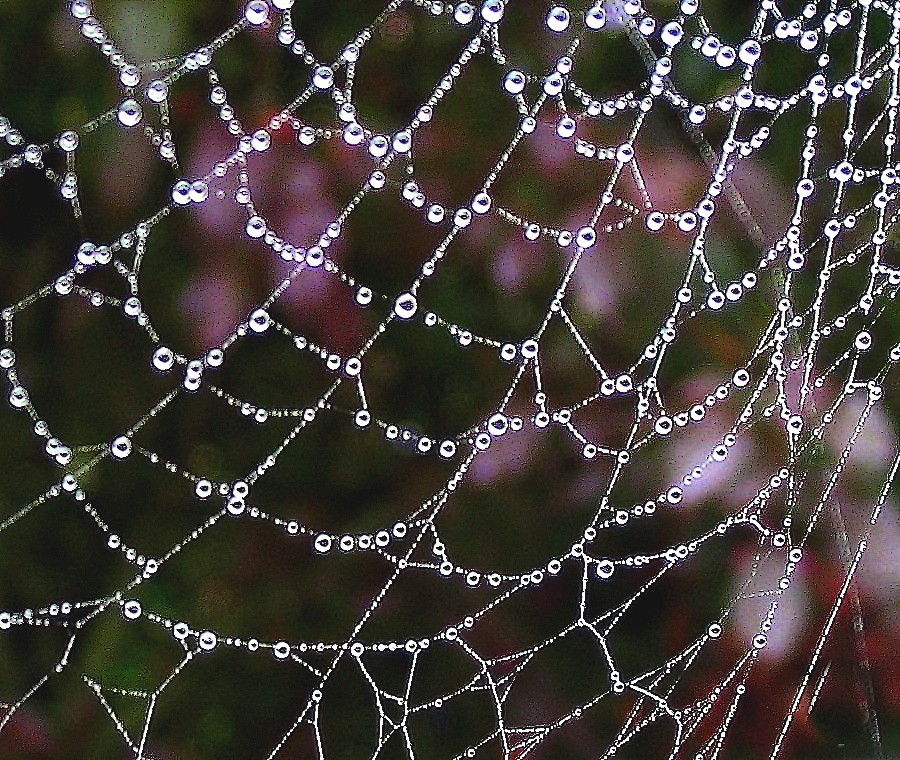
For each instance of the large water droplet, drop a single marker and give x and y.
(120, 448)
(256, 12)
(130, 113)
(492, 11)
(405, 306)
(558, 19)
(260, 321)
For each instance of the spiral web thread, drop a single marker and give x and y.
(783, 383)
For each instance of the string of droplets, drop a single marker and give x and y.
(762, 372)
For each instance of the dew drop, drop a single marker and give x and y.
(481, 203)
(260, 321)
(586, 237)
(199, 191)
(163, 359)
(130, 75)
(566, 127)
(595, 17)
(256, 12)
(795, 424)
(261, 140)
(492, 11)
(130, 113)
(405, 306)
(464, 13)
(514, 82)
(207, 641)
(674, 495)
(671, 33)
(353, 134)
(256, 227)
(80, 9)
(558, 19)
(323, 77)
(18, 397)
(120, 448)
(68, 140)
(605, 569)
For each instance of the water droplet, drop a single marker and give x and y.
(655, 221)
(68, 140)
(558, 19)
(462, 218)
(281, 650)
(256, 227)
(256, 12)
(207, 641)
(132, 306)
(18, 397)
(130, 75)
(624, 153)
(261, 140)
(586, 237)
(163, 359)
(595, 17)
(353, 134)
(260, 321)
(498, 424)
(130, 113)
(363, 296)
(514, 82)
(120, 448)
(481, 203)
(671, 33)
(553, 84)
(605, 569)
(323, 77)
(674, 495)
(378, 147)
(566, 127)
(402, 142)
(80, 9)
(492, 11)
(464, 13)
(405, 306)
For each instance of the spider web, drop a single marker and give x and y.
(546, 488)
